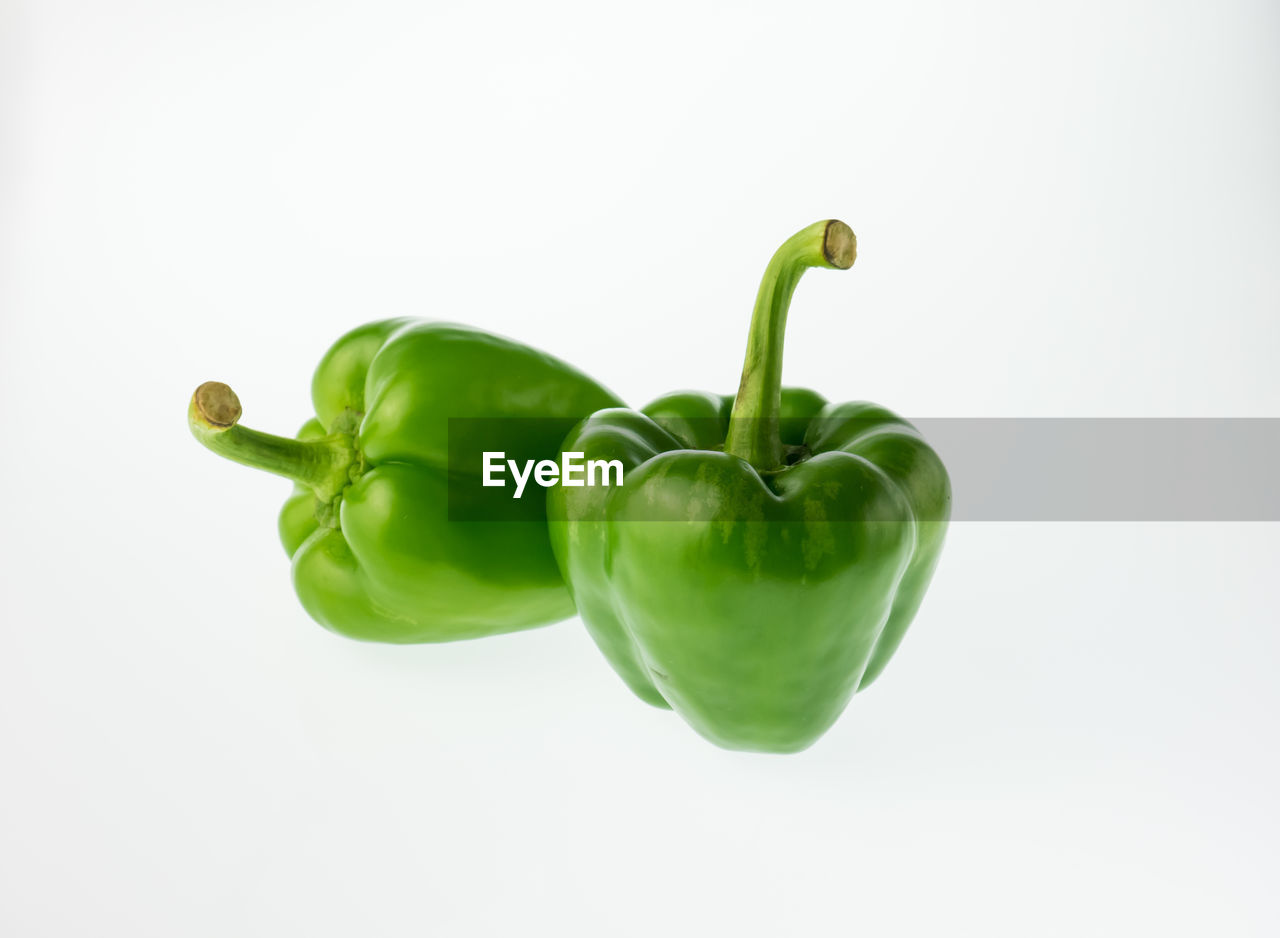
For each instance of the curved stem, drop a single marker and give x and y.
(753, 424)
(323, 465)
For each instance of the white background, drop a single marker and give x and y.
(1062, 209)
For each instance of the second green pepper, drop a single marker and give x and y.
(766, 552)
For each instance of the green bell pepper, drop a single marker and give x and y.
(375, 554)
(767, 552)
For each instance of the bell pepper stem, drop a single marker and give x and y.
(325, 465)
(753, 424)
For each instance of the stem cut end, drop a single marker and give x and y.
(217, 405)
(839, 245)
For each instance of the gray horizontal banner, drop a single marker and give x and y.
(1110, 469)
(1001, 469)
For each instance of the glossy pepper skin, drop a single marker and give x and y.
(766, 552)
(375, 555)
